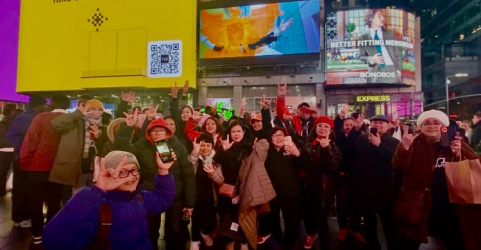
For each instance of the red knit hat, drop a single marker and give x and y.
(324, 119)
(159, 122)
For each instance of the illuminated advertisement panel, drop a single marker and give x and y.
(274, 29)
(370, 46)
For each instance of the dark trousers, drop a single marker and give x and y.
(176, 232)
(20, 211)
(6, 160)
(292, 221)
(387, 222)
(346, 207)
(316, 211)
(40, 190)
(204, 220)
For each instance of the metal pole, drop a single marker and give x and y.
(447, 96)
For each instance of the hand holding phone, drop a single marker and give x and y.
(164, 151)
(288, 141)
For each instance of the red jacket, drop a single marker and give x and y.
(281, 109)
(39, 148)
(192, 134)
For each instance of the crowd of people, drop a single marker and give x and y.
(105, 182)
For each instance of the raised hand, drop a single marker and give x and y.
(152, 111)
(209, 169)
(131, 119)
(292, 150)
(408, 138)
(94, 129)
(359, 122)
(197, 115)
(265, 103)
(456, 146)
(227, 144)
(374, 139)
(242, 107)
(282, 90)
(324, 142)
(174, 90)
(196, 147)
(108, 179)
(185, 89)
(128, 97)
(163, 168)
(344, 111)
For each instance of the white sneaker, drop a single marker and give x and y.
(208, 240)
(195, 245)
(26, 224)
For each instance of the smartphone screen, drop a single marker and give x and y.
(373, 131)
(288, 141)
(164, 150)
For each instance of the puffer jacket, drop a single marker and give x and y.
(76, 225)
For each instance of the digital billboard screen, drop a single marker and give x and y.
(260, 30)
(370, 46)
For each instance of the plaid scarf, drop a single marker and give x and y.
(89, 121)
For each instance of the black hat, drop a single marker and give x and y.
(380, 118)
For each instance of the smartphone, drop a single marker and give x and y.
(164, 151)
(373, 131)
(288, 141)
(448, 134)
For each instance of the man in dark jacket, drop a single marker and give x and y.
(15, 136)
(182, 170)
(374, 177)
(6, 152)
(476, 138)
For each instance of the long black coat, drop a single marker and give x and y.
(373, 172)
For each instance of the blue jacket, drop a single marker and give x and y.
(75, 226)
(19, 128)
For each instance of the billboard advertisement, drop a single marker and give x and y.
(370, 46)
(260, 30)
(74, 45)
(9, 24)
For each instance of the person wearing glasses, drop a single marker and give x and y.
(112, 213)
(176, 233)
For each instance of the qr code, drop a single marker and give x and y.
(165, 58)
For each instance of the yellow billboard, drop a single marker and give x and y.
(86, 44)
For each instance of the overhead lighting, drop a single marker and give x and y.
(436, 36)
(461, 75)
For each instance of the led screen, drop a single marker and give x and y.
(286, 28)
(370, 46)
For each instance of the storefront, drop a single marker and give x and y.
(406, 105)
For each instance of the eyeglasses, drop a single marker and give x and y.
(126, 173)
(157, 131)
(277, 135)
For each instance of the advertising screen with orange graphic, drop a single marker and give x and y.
(286, 28)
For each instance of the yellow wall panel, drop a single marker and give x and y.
(79, 44)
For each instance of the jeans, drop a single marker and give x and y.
(20, 202)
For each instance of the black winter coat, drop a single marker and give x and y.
(373, 171)
(144, 150)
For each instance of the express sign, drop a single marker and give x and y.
(373, 98)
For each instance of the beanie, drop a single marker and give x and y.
(433, 114)
(324, 119)
(113, 159)
(94, 103)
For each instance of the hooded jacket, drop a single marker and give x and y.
(144, 149)
(76, 225)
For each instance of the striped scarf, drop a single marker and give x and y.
(89, 121)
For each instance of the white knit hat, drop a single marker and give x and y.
(433, 114)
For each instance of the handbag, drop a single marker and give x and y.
(228, 189)
(411, 205)
(230, 227)
(464, 181)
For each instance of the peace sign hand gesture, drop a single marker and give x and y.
(408, 139)
(282, 90)
(131, 119)
(227, 144)
(108, 179)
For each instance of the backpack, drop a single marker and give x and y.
(101, 240)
